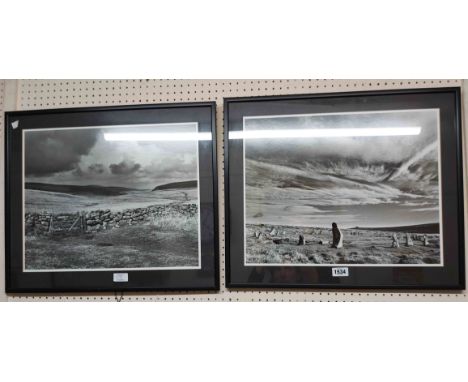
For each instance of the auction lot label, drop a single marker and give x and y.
(340, 272)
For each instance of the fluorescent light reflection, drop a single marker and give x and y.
(152, 137)
(325, 133)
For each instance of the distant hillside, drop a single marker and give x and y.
(420, 228)
(78, 190)
(176, 185)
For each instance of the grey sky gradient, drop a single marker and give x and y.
(83, 157)
(368, 149)
(355, 181)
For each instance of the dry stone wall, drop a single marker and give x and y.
(92, 221)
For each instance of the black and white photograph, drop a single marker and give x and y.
(111, 198)
(345, 190)
(349, 188)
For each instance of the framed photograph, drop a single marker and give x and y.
(111, 199)
(345, 190)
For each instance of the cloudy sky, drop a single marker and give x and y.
(83, 157)
(355, 181)
(369, 149)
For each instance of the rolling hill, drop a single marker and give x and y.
(323, 189)
(78, 190)
(176, 185)
(419, 228)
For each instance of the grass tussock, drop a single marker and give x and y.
(175, 223)
(163, 241)
(360, 247)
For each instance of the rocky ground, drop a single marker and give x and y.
(275, 244)
(154, 236)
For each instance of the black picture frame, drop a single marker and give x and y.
(203, 279)
(449, 277)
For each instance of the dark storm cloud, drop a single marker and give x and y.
(175, 167)
(124, 168)
(50, 152)
(78, 171)
(96, 168)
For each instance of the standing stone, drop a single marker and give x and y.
(395, 242)
(426, 241)
(301, 240)
(50, 224)
(409, 241)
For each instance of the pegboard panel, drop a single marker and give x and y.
(45, 94)
(2, 97)
(2, 198)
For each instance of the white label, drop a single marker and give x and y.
(15, 124)
(340, 272)
(121, 277)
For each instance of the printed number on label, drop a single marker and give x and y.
(340, 272)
